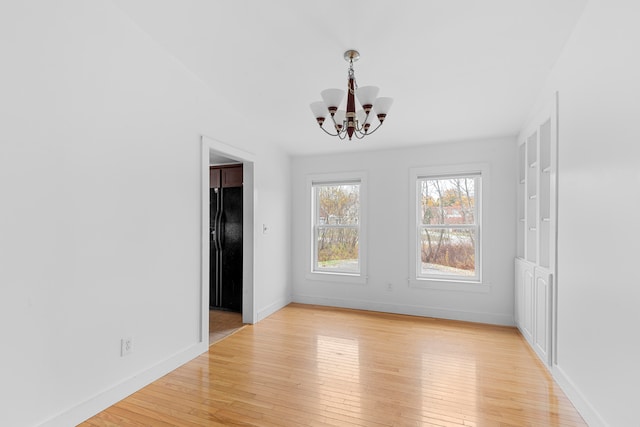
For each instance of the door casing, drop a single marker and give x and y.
(211, 146)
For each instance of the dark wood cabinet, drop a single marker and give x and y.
(225, 176)
(214, 177)
(232, 177)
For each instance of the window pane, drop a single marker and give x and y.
(338, 204)
(447, 200)
(448, 252)
(337, 249)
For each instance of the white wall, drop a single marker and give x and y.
(388, 239)
(598, 241)
(100, 218)
(272, 247)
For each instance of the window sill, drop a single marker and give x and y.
(318, 276)
(450, 285)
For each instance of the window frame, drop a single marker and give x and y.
(345, 178)
(445, 282)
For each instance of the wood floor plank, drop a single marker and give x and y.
(319, 366)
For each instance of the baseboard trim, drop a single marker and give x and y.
(586, 410)
(413, 310)
(106, 398)
(272, 308)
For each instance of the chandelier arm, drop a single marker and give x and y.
(374, 129)
(360, 135)
(329, 133)
(339, 133)
(360, 126)
(335, 125)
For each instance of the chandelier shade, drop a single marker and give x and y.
(382, 106)
(366, 96)
(332, 98)
(319, 110)
(345, 120)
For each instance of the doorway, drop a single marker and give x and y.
(212, 152)
(225, 232)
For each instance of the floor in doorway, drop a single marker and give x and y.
(222, 324)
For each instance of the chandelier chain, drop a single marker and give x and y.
(352, 75)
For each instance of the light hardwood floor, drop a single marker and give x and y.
(222, 324)
(317, 366)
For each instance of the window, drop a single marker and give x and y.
(337, 226)
(447, 224)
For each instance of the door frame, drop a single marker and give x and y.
(209, 146)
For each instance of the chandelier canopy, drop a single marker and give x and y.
(348, 121)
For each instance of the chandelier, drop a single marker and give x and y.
(349, 122)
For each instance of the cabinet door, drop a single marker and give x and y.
(232, 177)
(542, 328)
(214, 178)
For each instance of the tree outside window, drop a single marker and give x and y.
(448, 229)
(336, 227)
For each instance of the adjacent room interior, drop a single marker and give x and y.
(480, 196)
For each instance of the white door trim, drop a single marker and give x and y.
(210, 145)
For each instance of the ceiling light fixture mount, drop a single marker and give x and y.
(349, 122)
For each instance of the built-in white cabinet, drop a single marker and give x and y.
(534, 304)
(536, 235)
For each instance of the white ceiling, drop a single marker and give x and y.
(457, 69)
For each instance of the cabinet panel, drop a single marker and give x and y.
(232, 177)
(528, 281)
(214, 178)
(542, 307)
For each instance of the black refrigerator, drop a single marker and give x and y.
(225, 224)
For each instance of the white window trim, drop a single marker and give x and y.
(326, 276)
(479, 284)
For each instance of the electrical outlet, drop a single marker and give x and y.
(126, 346)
